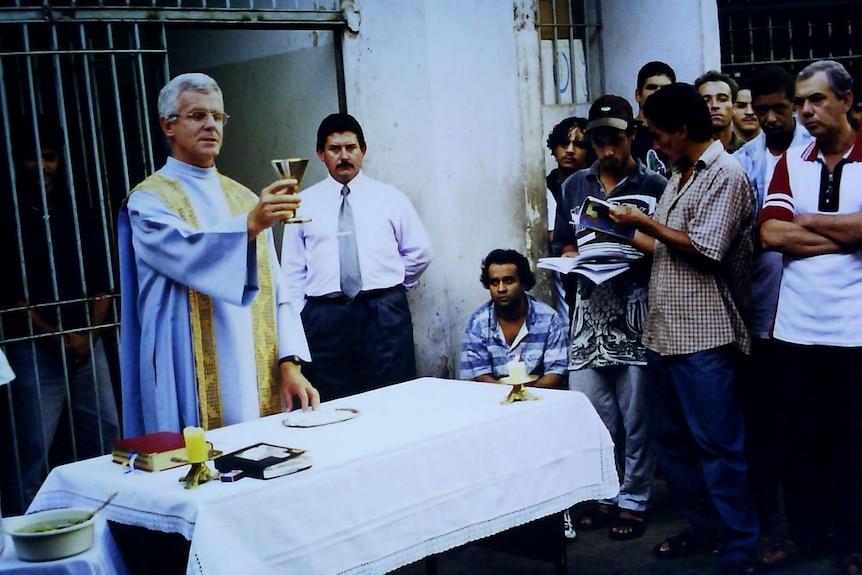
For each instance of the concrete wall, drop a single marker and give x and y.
(683, 33)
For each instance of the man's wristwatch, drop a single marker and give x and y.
(291, 358)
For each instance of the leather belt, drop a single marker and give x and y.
(340, 298)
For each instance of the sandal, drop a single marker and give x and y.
(782, 552)
(852, 564)
(682, 545)
(628, 525)
(597, 517)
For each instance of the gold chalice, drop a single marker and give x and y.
(292, 168)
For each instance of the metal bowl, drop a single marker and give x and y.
(46, 535)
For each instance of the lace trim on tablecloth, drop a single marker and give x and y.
(60, 499)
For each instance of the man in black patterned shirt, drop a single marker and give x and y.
(607, 360)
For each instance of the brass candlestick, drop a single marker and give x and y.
(200, 472)
(519, 389)
(287, 169)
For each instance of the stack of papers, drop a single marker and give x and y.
(595, 271)
(598, 261)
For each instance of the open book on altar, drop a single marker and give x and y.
(264, 461)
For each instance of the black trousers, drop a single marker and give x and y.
(756, 390)
(359, 345)
(818, 400)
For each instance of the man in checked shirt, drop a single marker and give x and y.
(699, 291)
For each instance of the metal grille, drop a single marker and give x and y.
(755, 33)
(80, 90)
(93, 69)
(282, 13)
(568, 32)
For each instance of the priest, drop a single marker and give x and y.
(209, 337)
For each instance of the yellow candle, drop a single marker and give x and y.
(517, 371)
(196, 446)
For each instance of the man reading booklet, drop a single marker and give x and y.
(607, 360)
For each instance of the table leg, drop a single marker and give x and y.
(431, 565)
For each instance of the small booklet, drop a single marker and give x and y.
(264, 461)
(595, 215)
(153, 451)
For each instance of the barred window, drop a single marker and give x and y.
(567, 31)
(755, 33)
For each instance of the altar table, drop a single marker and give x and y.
(426, 466)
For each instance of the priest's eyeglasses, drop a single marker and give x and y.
(200, 116)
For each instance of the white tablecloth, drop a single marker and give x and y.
(102, 558)
(427, 465)
(6, 373)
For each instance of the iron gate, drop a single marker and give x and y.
(88, 72)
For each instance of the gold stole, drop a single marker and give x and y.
(240, 200)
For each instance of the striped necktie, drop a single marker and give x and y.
(348, 253)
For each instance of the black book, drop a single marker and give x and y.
(264, 461)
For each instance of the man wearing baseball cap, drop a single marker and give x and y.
(607, 360)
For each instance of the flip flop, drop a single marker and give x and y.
(852, 564)
(782, 552)
(682, 545)
(597, 517)
(636, 522)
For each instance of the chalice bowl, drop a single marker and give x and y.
(292, 168)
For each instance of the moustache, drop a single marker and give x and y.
(344, 165)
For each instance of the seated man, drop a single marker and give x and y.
(513, 326)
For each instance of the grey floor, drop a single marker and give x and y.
(592, 553)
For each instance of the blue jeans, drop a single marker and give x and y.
(39, 395)
(619, 394)
(698, 437)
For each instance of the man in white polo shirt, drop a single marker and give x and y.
(813, 215)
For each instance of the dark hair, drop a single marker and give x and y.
(498, 256)
(716, 76)
(839, 78)
(771, 80)
(50, 135)
(336, 124)
(680, 105)
(654, 68)
(559, 135)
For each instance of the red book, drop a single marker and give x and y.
(152, 452)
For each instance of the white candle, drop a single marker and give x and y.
(517, 371)
(196, 446)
